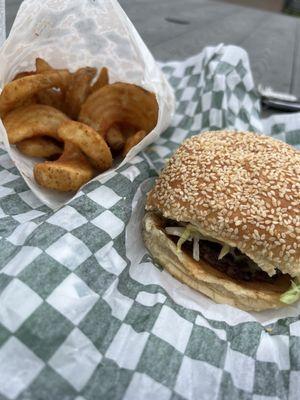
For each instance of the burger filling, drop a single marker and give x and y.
(227, 259)
(219, 255)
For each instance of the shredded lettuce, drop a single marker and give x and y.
(175, 230)
(225, 250)
(293, 294)
(189, 233)
(183, 238)
(196, 249)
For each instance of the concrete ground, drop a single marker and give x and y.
(176, 29)
(268, 5)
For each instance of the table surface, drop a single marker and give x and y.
(176, 29)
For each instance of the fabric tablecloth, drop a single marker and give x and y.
(84, 316)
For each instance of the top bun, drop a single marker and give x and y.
(240, 188)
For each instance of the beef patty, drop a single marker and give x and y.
(235, 264)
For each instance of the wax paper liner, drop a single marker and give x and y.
(72, 34)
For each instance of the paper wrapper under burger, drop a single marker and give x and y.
(73, 34)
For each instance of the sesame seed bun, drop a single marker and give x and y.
(248, 296)
(239, 188)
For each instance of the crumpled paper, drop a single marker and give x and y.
(72, 34)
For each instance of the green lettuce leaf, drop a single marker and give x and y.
(293, 294)
(183, 238)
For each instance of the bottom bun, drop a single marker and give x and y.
(248, 296)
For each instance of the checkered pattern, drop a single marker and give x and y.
(75, 320)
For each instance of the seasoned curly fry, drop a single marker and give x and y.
(50, 97)
(19, 90)
(89, 142)
(68, 173)
(41, 66)
(133, 141)
(120, 103)
(40, 110)
(102, 80)
(33, 120)
(40, 147)
(78, 90)
(53, 98)
(22, 75)
(115, 139)
(127, 130)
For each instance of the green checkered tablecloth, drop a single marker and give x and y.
(84, 313)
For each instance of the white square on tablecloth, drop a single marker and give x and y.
(17, 303)
(162, 151)
(195, 377)
(109, 223)
(274, 349)
(67, 218)
(119, 304)
(104, 196)
(172, 328)
(150, 299)
(30, 198)
(146, 388)
(21, 260)
(21, 233)
(241, 368)
(294, 385)
(69, 251)
(247, 102)
(295, 328)
(216, 117)
(127, 347)
(2, 213)
(5, 160)
(191, 108)
(221, 333)
(136, 160)
(197, 122)
(107, 178)
(131, 173)
(233, 79)
(73, 298)
(19, 366)
(110, 260)
(5, 191)
(6, 177)
(179, 135)
(233, 104)
(219, 83)
(206, 101)
(76, 359)
(28, 216)
(188, 93)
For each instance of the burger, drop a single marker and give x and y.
(224, 218)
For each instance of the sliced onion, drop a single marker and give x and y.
(225, 250)
(174, 230)
(196, 248)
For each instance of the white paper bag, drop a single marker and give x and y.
(78, 33)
